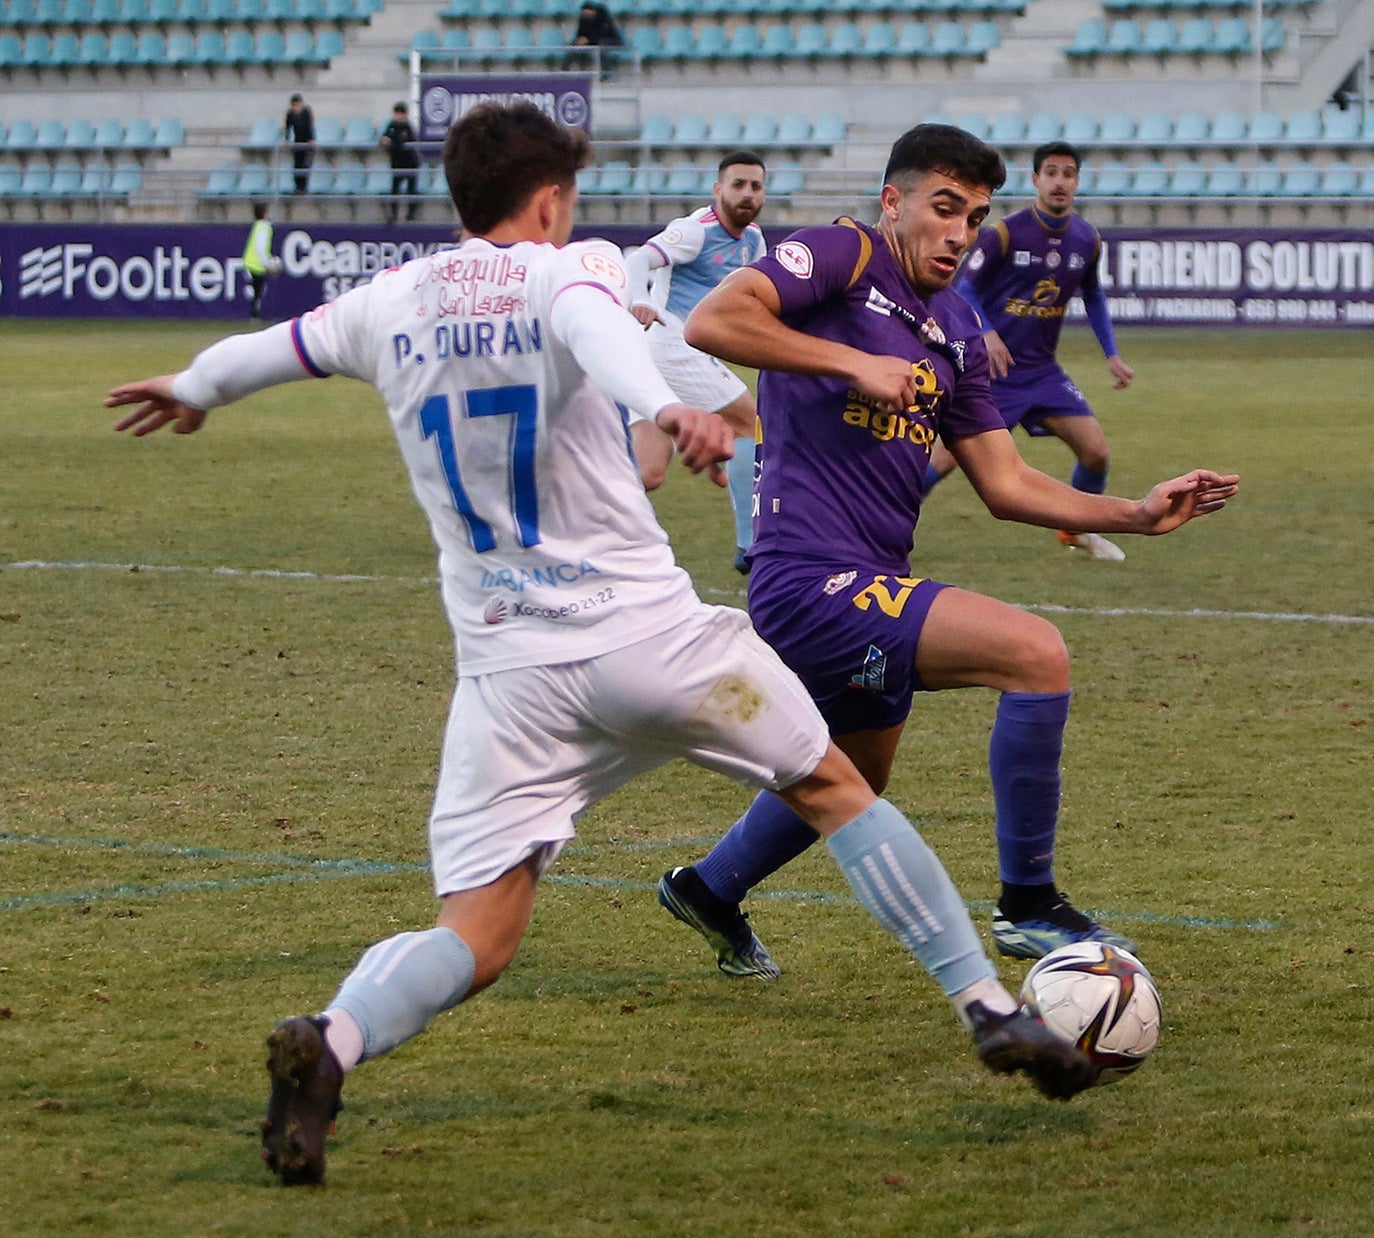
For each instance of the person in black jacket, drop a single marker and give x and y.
(398, 138)
(595, 28)
(299, 129)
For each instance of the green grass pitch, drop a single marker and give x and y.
(215, 786)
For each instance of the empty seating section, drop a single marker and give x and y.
(179, 34)
(1230, 36)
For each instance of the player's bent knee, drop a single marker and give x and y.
(1040, 658)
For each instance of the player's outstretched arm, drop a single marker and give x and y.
(704, 440)
(1012, 490)
(157, 407)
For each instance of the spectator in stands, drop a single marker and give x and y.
(300, 135)
(595, 28)
(399, 140)
(258, 260)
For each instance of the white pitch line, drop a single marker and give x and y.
(1050, 608)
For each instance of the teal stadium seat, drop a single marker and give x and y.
(66, 180)
(168, 132)
(36, 181)
(10, 179)
(1229, 129)
(105, 13)
(846, 41)
(193, 12)
(1195, 36)
(948, 39)
(139, 135)
(254, 181)
(1266, 129)
(1232, 36)
(92, 51)
(349, 179)
(1150, 181)
(1154, 129)
(786, 179)
(238, 48)
(329, 44)
(1042, 127)
(320, 180)
(779, 43)
(269, 48)
(1273, 35)
(648, 180)
(1303, 129)
(586, 177)
(95, 179)
(744, 44)
(686, 181)
(360, 133)
(265, 134)
(151, 49)
(80, 135)
(221, 182)
(65, 48)
(812, 41)
(299, 48)
(690, 130)
(656, 131)
(50, 136)
(1125, 37)
(1113, 181)
(1007, 129)
(1080, 128)
(76, 12)
(794, 129)
(646, 42)
(1265, 179)
(829, 129)
(727, 129)
(37, 51)
(713, 43)
(1191, 129)
(970, 122)
(550, 44)
(329, 133)
(760, 130)
(1340, 180)
(1300, 180)
(162, 12)
(983, 36)
(1187, 180)
(1117, 128)
(678, 43)
(11, 50)
(1225, 182)
(209, 49)
(379, 180)
(1160, 38)
(125, 179)
(1341, 128)
(880, 39)
(181, 49)
(615, 178)
(1018, 183)
(1366, 189)
(1090, 39)
(133, 12)
(22, 136)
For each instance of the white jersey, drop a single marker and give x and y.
(549, 550)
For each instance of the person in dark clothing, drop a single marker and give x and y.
(398, 139)
(300, 136)
(595, 28)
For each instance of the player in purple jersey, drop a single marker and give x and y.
(866, 357)
(1020, 277)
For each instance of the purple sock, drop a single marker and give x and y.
(1091, 481)
(1023, 759)
(756, 846)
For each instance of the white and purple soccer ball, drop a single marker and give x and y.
(1099, 998)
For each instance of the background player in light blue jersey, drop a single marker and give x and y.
(669, 274)
(1020, 277)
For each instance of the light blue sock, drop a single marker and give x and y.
(400, 984)
(903, 884)
(930, 480)
(739, 471)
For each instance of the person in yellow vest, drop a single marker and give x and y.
(258, 260)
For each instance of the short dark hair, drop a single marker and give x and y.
(297, 99)
(741, 156)
(400, 107)
(259, 210)
(496, 157)
(1055, 148)
(944, 148)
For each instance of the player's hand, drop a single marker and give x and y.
(1121, 372)
(1175, 502)
(645, 314)
(157, 407)
(703, 439)
(999, 355)
(887, 380)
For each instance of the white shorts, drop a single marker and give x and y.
(528, 751)
(696, 378)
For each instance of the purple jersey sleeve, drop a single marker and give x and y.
(813, 265)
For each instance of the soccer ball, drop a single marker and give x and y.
(1101, 999)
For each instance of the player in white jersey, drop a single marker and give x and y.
(586, 656)
(669, 274)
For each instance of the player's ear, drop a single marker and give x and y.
(890, 199)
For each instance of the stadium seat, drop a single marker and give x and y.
(37, 51)
(879, 40)
(786, 178)
(125, 179)
(1341, 128)
(105, 13)
(64, 51)
(1080, 128)
(1300, 180)
(1195, 36)
(646, 42)
(779, 43)
(11, 50)
(349, 179)
(1150, 181)
(151, 49)
(760, 130)
(269, 48)
(744, 44)
(726, 129)
(1265, 179)
(685, 181)
(1113, 181)
(1303, 129)
(1007, 129)
(22, 136)
(1266, 129)
(846, 40)
(36, 181)
(133, 12)
(1225, 182)
(265, 134)
(66, 180)
(1125, 37)
(983, 36)
(1042, 127)
(1191, 129)
(320, 180)
(161, 12)
(1090, 39)
(93, 50)
(181, 49)
(221, 182)
(139, 135)
(1018, 183)
(1229, 129)
(168, 133)
(829, 129)
(648, 179)
(1232, 36)
(794, 129)
(50, 136)
(1340, 180)
(1160, 38)
(209, 49)
(913, 39)
(970, 122)
(238, 47)
(678, 43)
(1187, 180)
(109, 134)
(254, 181)
(95, 179)
(690, 130)
(1154, 129)
(656, 131)
(80, 135)
(329, 133)
(379, 180)
(360, 134)
(811, 42)
(299, 48)
(615, 178)
(713, 43)
(1117, 129)
(586, 177)
(948, 39)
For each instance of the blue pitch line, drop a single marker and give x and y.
(1048, 608)
(304, 868)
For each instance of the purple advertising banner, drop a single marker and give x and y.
(565, 97)
(1152, 277)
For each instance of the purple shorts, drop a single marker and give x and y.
(850, 635)
(1025, 397)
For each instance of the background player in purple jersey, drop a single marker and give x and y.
(865, 357)
(1020, 277)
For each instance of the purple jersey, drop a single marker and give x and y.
(839, 481)
(1023, 271)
